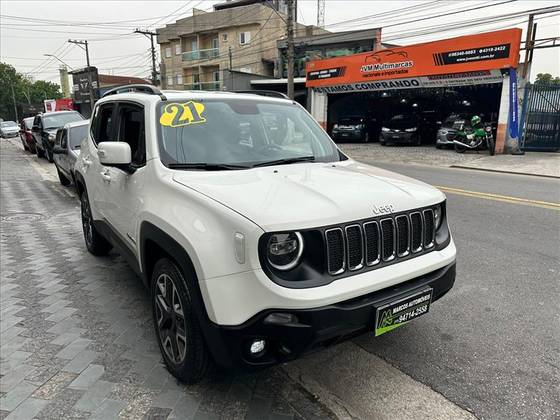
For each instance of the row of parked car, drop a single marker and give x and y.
(55, 136)
(414, 128)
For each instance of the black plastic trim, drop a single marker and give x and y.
(313, 269)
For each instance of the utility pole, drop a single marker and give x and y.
(14, 98)
(230, 68)
(290, 52)
(321, 13)
(84, 45)
(529, 45)
(151, 35)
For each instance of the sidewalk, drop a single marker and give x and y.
(532, 163)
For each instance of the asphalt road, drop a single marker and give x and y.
(492, 345)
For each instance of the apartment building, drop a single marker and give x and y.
(197, 50)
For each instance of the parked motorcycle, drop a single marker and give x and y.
(477, 138)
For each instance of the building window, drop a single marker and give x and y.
(178, 49)
(167, 52)
(216, 43)
(169, 80)
(224, 37)
(244, 38)
(216, 76)
(194, 45)
(179, 79)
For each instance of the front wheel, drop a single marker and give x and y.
(62, 178)
(366, 138)
(178, 333)
(491, 145)
(96, 244)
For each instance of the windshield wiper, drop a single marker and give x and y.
(286, 161)
(207, 166)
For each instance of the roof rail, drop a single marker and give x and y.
(149, 89)
(269, 93)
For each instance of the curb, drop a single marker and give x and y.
(504, 171)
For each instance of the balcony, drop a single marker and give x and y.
(200, 54)
(204, 86)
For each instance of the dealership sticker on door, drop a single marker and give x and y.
(398, 312)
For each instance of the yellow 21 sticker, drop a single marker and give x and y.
(179, 115)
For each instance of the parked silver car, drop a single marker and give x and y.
(9, 129)
(67, 149)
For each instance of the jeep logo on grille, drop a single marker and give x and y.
(388, 208)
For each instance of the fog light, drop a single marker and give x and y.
(257, 347)
(280, 318)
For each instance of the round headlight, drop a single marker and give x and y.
(284, 250)
(437, 216)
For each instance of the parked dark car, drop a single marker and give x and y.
(45, 127)
(67, 149)
(408, 128)
(355, 128)
(8, 129)
(27, 135)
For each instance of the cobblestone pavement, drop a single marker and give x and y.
(416, 155)
(76, 332)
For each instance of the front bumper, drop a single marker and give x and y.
(397, 137)
(444, 139)
(10, 134)
(316, 327)
(347, 134)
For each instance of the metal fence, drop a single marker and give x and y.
(541, 118)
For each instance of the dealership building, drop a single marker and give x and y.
(470, 75)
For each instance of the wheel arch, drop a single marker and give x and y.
(80, 183)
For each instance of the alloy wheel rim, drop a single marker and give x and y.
(86, 222)
(170, 319)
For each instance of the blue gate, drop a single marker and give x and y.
(541, 118)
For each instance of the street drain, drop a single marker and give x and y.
(22, 217)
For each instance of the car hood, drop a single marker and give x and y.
(10, 129)
(307, 195)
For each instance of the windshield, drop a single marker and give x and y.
(59, 120)
(8, 124)
(351, 120)
(402, 120)
(28, 123)
(238, 132)
(77, 135)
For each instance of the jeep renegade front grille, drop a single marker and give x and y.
(366, 244)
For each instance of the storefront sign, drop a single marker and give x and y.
(513, 111)
(466, 55)
(81, 88)
(440, 80)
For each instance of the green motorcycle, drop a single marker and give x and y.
(476, 138)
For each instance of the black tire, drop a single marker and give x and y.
(418, 140)
(190, 361)
(460, 149)
(40, 153)
(491, 146)
(96, 244)
(62, 178)
(438, 146)
(49, 155)
(382, 142)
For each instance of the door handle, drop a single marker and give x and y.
(106, 177)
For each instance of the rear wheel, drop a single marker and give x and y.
(459, 148)
(178, 332)
(62, 178)
(95, 242)
(491, 145)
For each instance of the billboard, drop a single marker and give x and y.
(80, 85)
(469, 55)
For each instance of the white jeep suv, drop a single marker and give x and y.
(258, 239)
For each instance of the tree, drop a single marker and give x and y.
(25, 91)
(547, 79)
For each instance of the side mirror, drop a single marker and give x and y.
(57, 150)
(114, 153)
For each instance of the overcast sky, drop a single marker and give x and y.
(113, 49)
